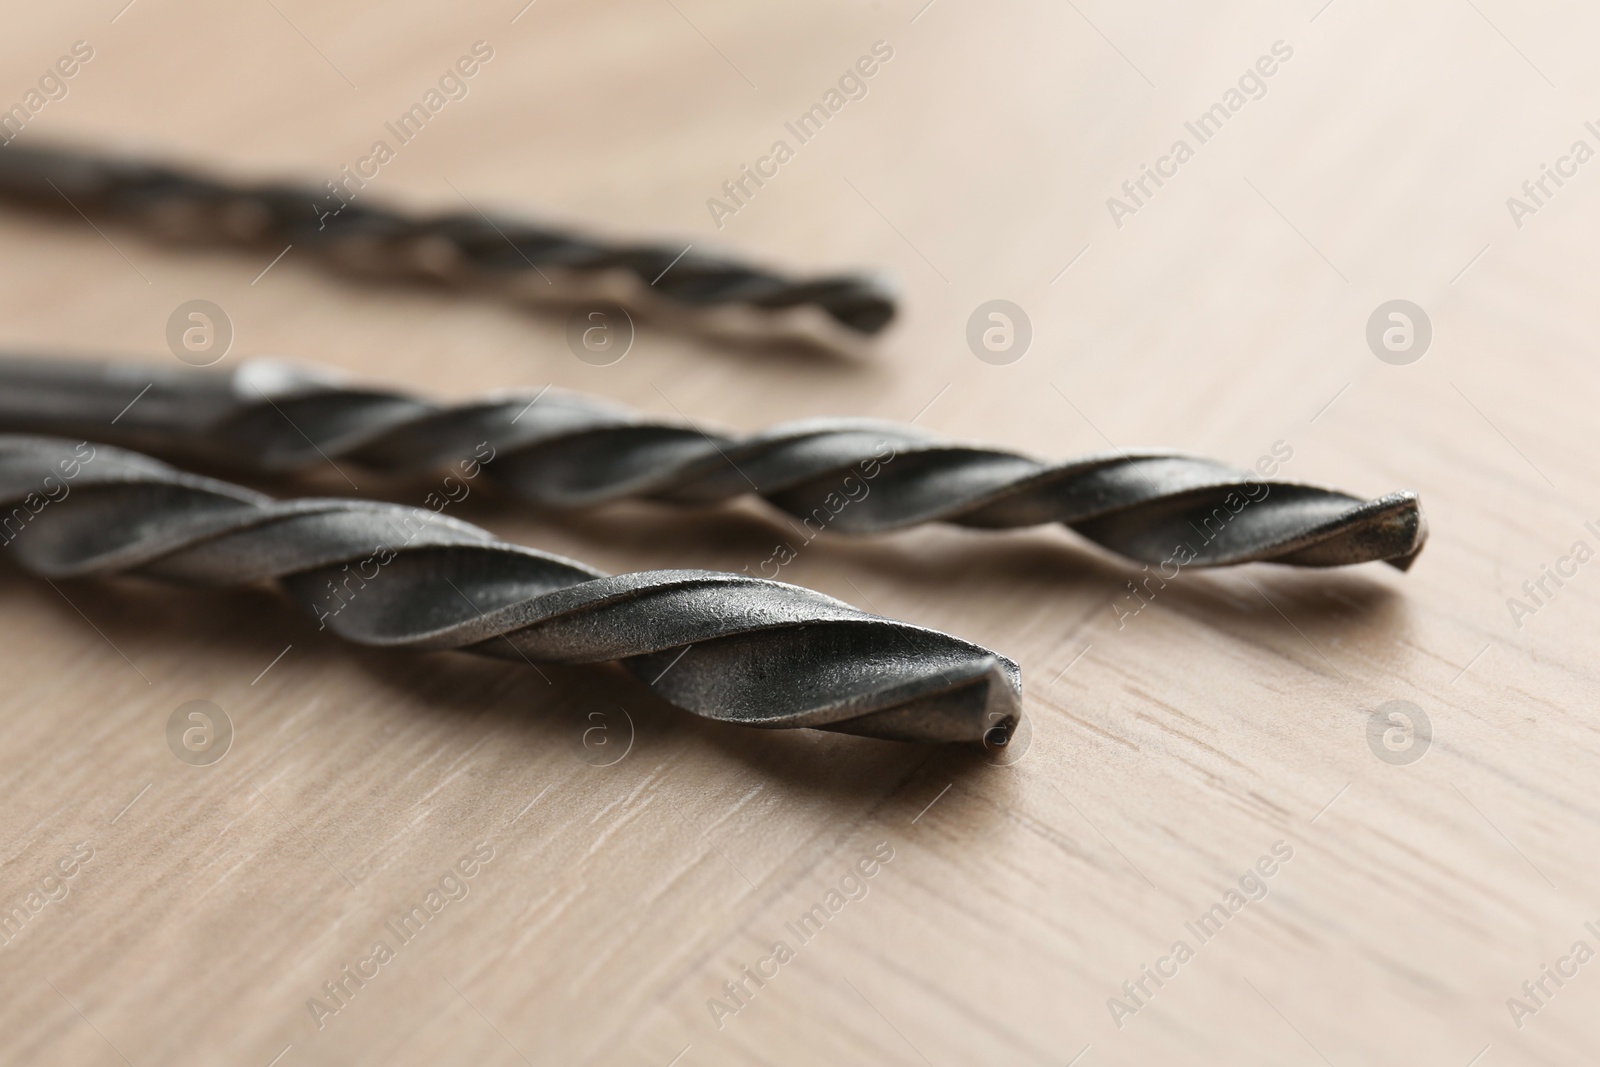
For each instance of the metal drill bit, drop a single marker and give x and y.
(373, 237)
(724, 646)
(566, 450)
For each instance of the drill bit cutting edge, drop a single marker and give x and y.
(566, 450)
(724, 646)
(464, 244)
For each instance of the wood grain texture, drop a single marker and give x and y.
(1169, 754)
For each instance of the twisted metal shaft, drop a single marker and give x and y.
(724, 646)
(463, 244)
(566, 450)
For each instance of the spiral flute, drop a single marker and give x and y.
(724, 646)
(566, 450)
(333, 221)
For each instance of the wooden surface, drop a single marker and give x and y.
(1168, 755)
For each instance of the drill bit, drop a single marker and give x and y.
(724, 646)
(450, 245)
(567, 450)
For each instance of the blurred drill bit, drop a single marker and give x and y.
(724, 646)
(375, 238)
(567, 450)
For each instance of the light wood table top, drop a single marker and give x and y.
(1223, 311)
